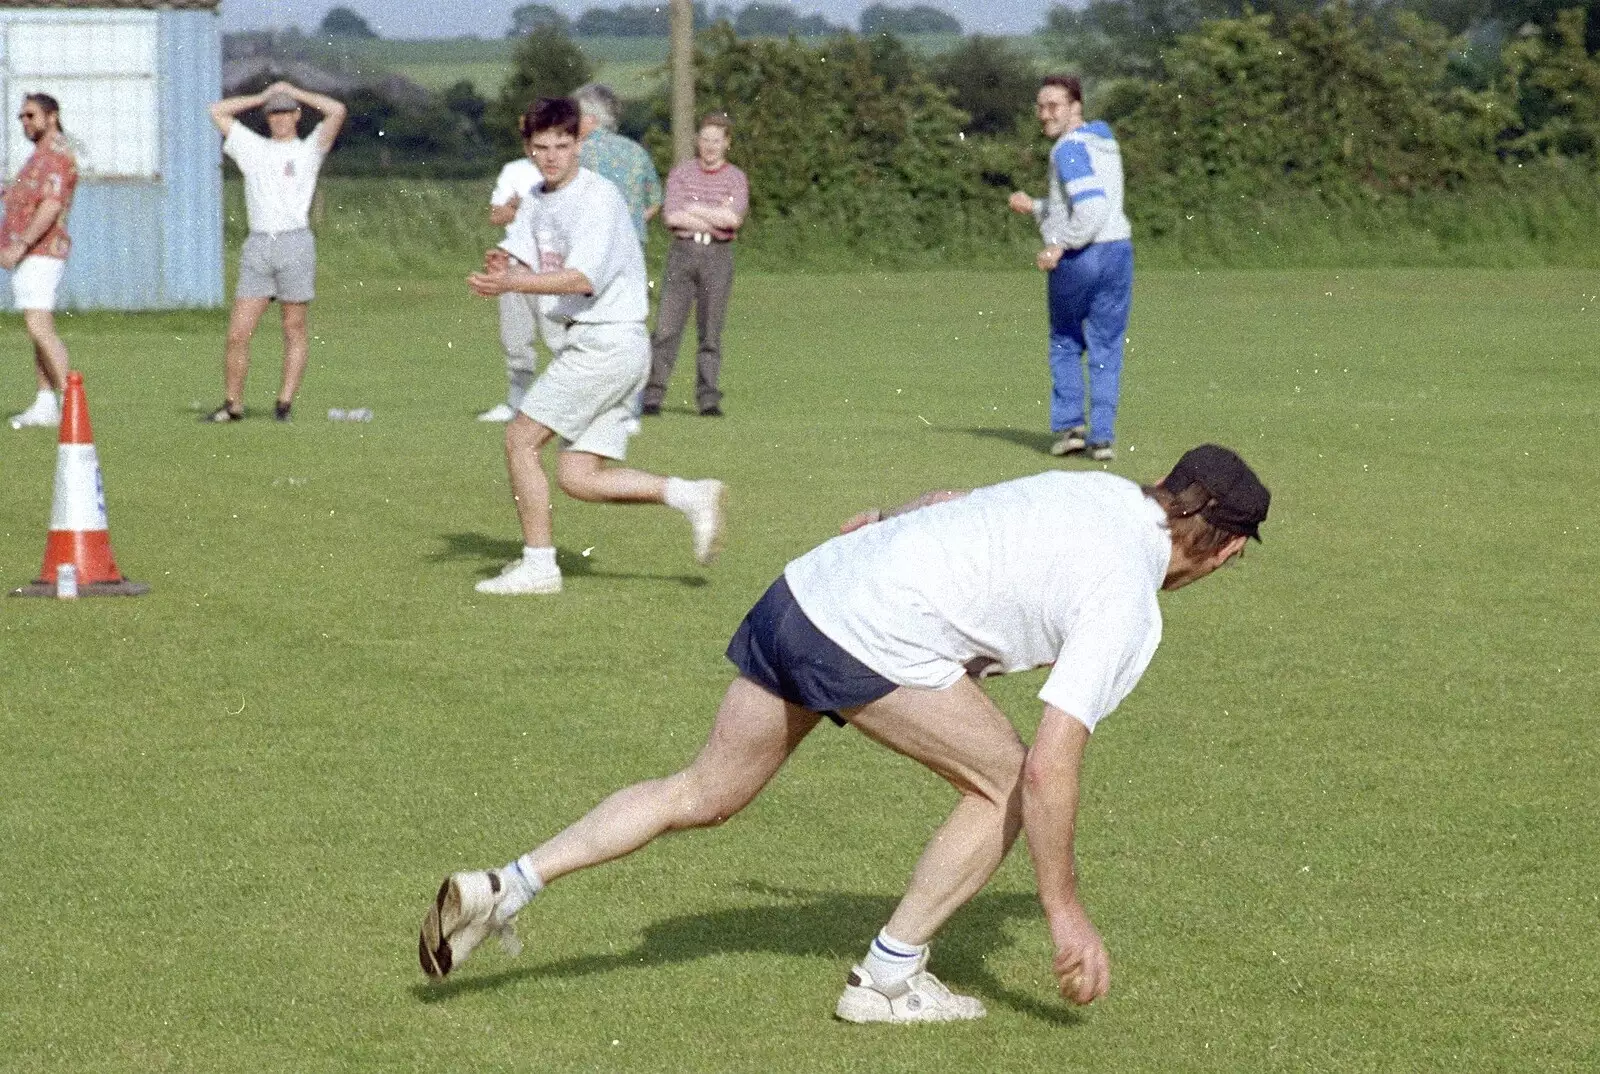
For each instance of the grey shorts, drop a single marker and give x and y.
(281, 266)
(588, 392)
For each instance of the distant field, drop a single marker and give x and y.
(1346, 824)
(631, 65)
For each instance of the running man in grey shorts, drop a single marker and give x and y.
(591, 281)
(279, 259)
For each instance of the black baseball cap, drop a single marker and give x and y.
(1239, 500)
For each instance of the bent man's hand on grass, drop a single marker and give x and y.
(1020, 203)
(1082, 966)
(1049, 258)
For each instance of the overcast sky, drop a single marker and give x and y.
(491, 18)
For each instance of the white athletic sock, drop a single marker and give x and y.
(679, 494)
(890, 961)
(539, 557)
(45, 394)
(522, 884)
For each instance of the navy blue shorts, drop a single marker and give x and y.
(780, 649)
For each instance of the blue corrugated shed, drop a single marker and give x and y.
(152, 242)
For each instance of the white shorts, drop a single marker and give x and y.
(34, 283)
(588, 392)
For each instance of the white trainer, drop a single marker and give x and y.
(705, 518)
(45, 412)
(922, 997)
(463, 915)
(522, 578)
(502, 414)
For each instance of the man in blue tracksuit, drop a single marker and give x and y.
(1088, 252)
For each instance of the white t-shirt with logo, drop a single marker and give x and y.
(585, 226)
(516, 180)
(279, 177)
(1061, 568)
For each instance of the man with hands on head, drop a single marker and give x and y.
(887, 627)
(279, 258)
(575, 227)
(1088, 254)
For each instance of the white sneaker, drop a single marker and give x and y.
(45, 411)
(922, 997)
(522, 578)
(463, 915)
(705, 518)
(502, 414)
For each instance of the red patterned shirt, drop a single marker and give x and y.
(689, 185)
(51, 172)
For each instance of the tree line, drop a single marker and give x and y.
(864, 140)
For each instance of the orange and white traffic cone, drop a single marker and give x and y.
(78, 529)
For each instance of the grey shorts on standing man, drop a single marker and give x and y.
(281, 265)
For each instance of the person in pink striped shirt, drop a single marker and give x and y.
(707, 199)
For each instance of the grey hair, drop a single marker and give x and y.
(599, 102)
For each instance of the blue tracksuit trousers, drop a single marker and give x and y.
(1089, 294)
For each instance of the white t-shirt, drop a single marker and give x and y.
(1058, 568)
(585, 226)
(516, 179)
(279, 177)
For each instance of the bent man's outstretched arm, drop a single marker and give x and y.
(1049, 817)
(878, 514)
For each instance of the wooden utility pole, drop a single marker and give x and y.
(682, 80)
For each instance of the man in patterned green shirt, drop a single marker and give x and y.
(619, 159)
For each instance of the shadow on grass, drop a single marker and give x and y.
(831, 925)
(1031, 439)
(496, 552)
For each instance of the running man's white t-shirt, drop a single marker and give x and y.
(280, 178)
(585, 226)
(1058, 568)
(515, 180)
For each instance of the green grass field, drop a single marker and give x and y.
(1345, 824)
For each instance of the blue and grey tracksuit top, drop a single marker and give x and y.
(1085, 201)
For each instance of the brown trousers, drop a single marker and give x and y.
(702, 276)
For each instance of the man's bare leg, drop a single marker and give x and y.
(296, 348)
(236, 357)
(588, 477)
(530, 489)
(49, 352)
(960, 734)
(753, 735)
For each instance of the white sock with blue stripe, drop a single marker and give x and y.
(890, 961)
(522, 884)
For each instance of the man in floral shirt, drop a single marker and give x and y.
(34, 247)
(615, 157)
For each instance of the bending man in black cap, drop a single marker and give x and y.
(886, 627)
